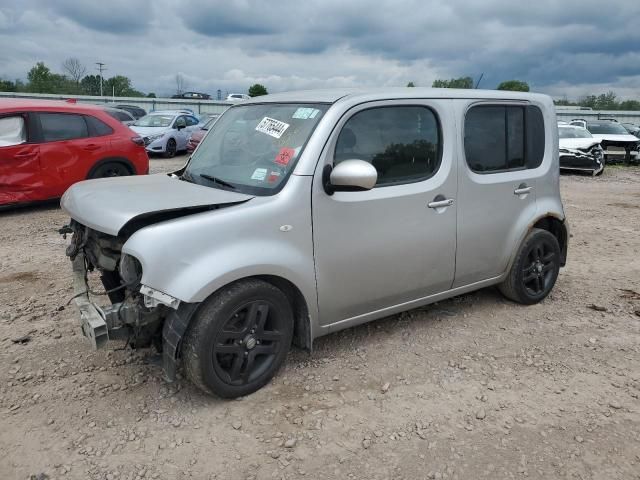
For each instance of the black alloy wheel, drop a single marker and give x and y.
(537, 273)
(535, 269)
(247, 343)
(238, 339)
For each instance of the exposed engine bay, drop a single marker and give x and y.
(135, 314)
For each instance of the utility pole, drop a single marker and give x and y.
(101, 69)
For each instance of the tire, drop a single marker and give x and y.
(171, 149)
(110, 169)
(535, 269)
(238, 339)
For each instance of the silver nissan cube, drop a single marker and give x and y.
(303, 213)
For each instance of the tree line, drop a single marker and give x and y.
(604, 101)
(73, 81)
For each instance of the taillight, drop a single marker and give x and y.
(138, 141)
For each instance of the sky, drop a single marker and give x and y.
(566, 48)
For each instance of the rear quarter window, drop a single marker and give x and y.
(500, 138)
(97, 127)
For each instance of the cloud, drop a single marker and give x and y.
(232, 44)
(113, 16)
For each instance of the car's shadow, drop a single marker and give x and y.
(31, 207)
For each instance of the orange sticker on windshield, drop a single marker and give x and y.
(284, 156)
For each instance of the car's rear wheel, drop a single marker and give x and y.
(110, 169)
(238, 339)
(171, 148)
(535, 269)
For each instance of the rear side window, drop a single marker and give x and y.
(13, 131)
(62, 126)
(191, 121)
(120, 116)
(97, 127)
(503, 138)
(403, 142)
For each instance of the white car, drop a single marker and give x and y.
(166, 132)
(579, 150)
(618, 144)
(237, 97)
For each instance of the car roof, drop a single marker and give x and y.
(371, 94)
(170, 112)
(15, 104)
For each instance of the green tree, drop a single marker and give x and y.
(514, 85)
(462, 82)
(120, 86)
(90, 85)
(7, 86)
(151, 95)
(257, 90)
(39, 78)
(629, 105)
(42, 80)
(607, 101)
(411, 84)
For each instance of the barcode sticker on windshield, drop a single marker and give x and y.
(259, 174)
(303, 113)
(272, 127)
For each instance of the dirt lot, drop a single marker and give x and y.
(471, 388)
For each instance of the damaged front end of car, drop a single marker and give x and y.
(137, 312)
(589, 159)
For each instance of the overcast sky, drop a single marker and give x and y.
(561, 47)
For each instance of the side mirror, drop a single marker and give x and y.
(349, 176)
(180, 125)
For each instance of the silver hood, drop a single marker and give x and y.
(108, 204)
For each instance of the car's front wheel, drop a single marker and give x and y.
(238, 339)
(535, 269)
(171, 148)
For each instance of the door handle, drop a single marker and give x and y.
(440, 203)
(25, 155)
(92, 146)
(522, 190)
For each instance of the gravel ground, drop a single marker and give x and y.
(471, 388)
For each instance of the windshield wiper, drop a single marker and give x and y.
(217, 180)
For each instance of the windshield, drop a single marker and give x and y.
(573, 132)
(612, 128)
(155, 121)
(254, 148)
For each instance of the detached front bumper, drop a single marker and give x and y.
(92, 317)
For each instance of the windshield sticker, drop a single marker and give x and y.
(303, 113)
(259, 174)
(273, 177)
(272, 127)
(284, 156)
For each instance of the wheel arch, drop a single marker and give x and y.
(558, 228)
(177, 322)
(121, 160)
(552, 223)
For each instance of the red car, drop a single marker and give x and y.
(46, 146)
(197, 136)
